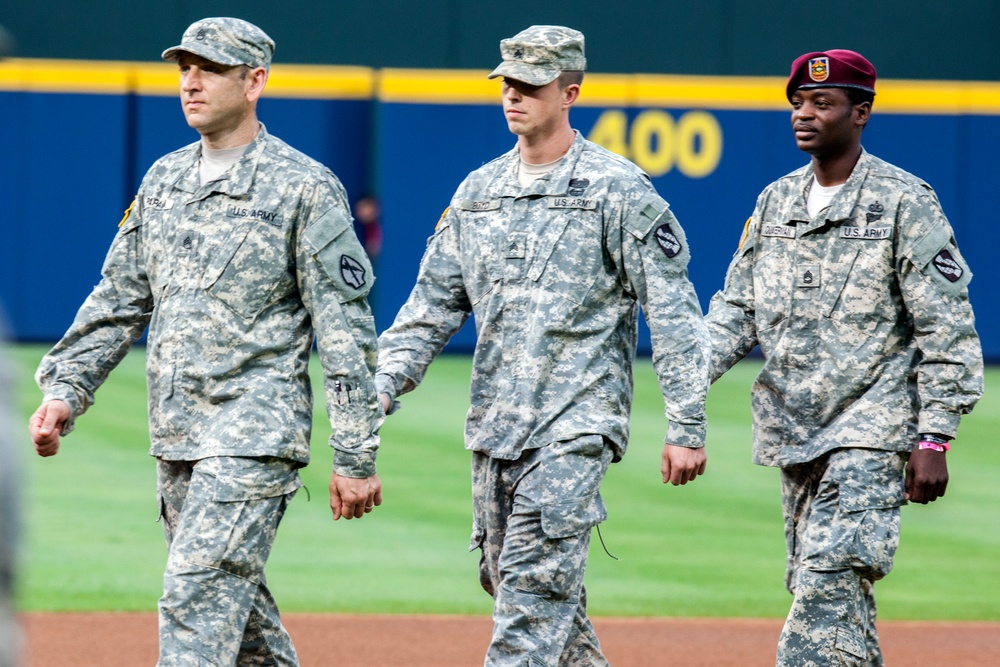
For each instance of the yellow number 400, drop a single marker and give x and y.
(656, 142)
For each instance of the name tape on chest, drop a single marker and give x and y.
(474, 205)
(573, 202)
(152, 202)
(780, 231)
(866, 233)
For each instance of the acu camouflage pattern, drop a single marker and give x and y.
(226, 41)
(539, 54)
(235, 278)
(862, 315)
(555, 274)
(532, 519)
(842, 530)
(220, 516)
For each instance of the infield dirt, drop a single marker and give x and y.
(127, 640)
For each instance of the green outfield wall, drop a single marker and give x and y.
(911, 39)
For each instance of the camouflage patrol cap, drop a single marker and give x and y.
(226, 41)
(540, 54)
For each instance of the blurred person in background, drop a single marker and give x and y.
(10, 632)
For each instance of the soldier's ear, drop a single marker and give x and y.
(863, 112)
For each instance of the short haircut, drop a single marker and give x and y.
(858, 96)
(570, 78)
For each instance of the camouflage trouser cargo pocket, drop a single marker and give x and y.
(572, 517)
(854, 519)
(851, 641)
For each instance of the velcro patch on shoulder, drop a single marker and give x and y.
(331, 240)
(641, 222)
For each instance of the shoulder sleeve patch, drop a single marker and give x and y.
(670, 244)
(948, 266)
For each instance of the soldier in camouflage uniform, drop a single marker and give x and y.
(553, 246)
(849, 279)
(238, 253)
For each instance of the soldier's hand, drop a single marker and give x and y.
(352, 498)
(926, 476)
(46, 425)
(386, 402)
(681, 465)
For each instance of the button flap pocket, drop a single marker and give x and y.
(573, 517)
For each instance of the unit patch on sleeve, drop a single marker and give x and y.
(669, 242)
(352, 272)
(948, 267)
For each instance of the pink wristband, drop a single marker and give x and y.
(936, 446)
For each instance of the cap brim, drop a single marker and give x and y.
(173, 53)
(534, 75)
(814, 86)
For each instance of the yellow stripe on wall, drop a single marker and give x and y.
(112, 77)
(64, 76)
(290, 81)
(422, 86)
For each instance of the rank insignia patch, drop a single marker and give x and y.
(669, 243)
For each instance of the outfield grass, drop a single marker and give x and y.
(712, 548)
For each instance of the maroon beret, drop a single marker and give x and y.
(836, 68)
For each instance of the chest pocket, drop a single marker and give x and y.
(250, 269)
(569, 257)
(479, 224)
(774, 275)
(862, 282)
